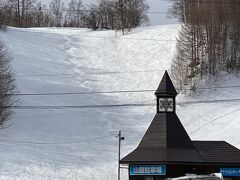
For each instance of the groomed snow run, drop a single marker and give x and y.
(79, 143)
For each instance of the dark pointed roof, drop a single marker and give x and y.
(165, 131)
(165, 140)
(166, 86)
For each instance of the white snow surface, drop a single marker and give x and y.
(50, 144)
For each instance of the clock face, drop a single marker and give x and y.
(166, 104)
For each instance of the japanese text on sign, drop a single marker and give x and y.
(147, 170)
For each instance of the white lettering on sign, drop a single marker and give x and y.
(147, 170)
(233, 171)
(230, 171)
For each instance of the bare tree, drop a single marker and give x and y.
(30, 10)
(93, 17)
(75, 13)
(209, 36)
(121, 15)
(57, 7)
(15, 6)
(7, 85)
(131, 14)
(108, 14)
(136, 14)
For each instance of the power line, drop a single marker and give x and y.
(152, 12)
(217, 87)
(208, 101)
(112, 105)
(77, 107)
(80, 93)
(215, 2)
(127, 72)
(102, 137)
(97, 73)
(56, 143)
(112, 92)
(209, 2)
(208, 122)
(40, 75)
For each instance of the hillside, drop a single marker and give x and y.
(68, 143)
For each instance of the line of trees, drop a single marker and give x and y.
(7, 85)
(209, 40)
(119, 14)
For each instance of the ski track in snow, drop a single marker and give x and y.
(97, 61)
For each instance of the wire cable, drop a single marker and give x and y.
(209, 122)
(214, 2)
(76, 107)
(55, 107)
(112, 92)
(80, 93)
(57, 143)
(91, 73)
(40, 75)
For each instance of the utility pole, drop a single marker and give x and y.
(120, 138)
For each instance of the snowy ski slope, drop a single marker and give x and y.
(79, 143)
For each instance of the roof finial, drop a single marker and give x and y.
(166, 86)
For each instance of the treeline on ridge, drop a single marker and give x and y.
(120, 15)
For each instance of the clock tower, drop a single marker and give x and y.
(167, 151)
(166, 94)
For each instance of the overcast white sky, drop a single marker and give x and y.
(162, 6)
(155, 5)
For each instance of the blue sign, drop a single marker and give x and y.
(147, 170)
(230, 171)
